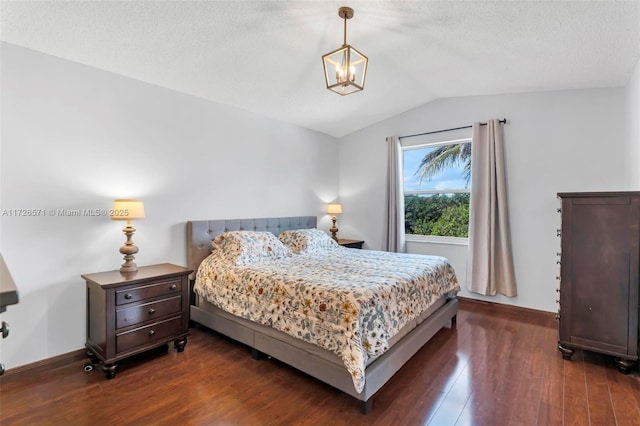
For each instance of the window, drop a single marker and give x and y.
(437, 185)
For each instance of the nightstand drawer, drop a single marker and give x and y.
(145, 292)
(148, 334)
(148, 311)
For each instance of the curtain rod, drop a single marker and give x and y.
(503, 121)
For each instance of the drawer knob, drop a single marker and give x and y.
(128, 296)
(152, 311)
(5, 329)
(152, 332)
(173, 287)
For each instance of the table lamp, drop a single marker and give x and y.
(128, 210)
(334, 209)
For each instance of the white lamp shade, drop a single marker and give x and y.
(334, 208)
(127, 210)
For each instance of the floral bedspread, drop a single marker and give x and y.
(347, 301)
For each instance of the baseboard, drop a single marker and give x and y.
(505, 307)
(45, 365)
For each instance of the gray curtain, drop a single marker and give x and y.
(394, 237)
(490, 261)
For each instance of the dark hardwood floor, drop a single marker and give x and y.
(500, 366)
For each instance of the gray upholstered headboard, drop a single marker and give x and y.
(201, 232)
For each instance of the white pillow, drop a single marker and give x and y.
(307, 240)
(247, 247)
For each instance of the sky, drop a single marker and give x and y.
(452, 178)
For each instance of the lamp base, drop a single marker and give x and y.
(334, 229)
(129, 265)
(129, 249)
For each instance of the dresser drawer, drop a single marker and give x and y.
(148, 334)
(148, 311)
(147, 291)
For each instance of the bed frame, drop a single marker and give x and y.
(301, 355)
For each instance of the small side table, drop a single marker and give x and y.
(132, 312)
(356, 244)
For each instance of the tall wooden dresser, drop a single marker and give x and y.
(600, 261)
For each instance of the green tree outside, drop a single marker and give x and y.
(442, 215)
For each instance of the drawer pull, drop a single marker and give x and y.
(152, 311)
(128, 296)
(5, 330)
(152, 332)
(173, 287)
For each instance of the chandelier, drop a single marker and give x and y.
(345, 68)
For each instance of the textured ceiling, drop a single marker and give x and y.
(265, 56)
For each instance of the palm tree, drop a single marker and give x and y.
(446, 156)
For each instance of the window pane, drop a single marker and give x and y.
(437, 167)
(439, 214)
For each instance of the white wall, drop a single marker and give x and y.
(554, 142)
(633, 128)
(75, 137)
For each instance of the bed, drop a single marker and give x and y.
(366, 375)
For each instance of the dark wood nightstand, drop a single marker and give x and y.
(357, 244)
(129, 313)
